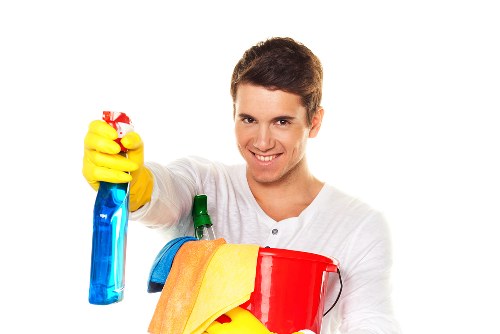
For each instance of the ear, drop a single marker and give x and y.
(316, 122)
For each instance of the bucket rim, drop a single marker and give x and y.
(295, 254)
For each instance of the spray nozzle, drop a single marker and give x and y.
(120, 122)
(200, 211)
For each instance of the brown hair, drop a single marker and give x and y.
(280, 63)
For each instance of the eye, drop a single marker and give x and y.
(247, 120)
(282, 122)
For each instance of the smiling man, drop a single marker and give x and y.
(272, 129)
(272, 200)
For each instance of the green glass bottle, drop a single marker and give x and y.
(203, 227)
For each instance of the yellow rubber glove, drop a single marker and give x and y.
(102, 161)
(242, 322)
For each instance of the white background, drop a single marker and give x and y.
(411, 93)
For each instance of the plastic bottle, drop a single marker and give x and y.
(203, 227)
(109, 239)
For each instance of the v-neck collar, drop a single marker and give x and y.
(270, 221)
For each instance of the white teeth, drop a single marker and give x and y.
(265, 158)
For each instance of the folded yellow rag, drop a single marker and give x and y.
(207, 279)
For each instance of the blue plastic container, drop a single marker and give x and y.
(109, 241)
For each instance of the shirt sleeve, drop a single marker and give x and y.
(365, 305)
(173, 191)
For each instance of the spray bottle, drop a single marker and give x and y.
(109, 239)
(203, 229)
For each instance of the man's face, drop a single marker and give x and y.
(271, 132)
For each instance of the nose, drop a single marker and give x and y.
(263, 139)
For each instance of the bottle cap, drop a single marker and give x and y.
(200, 212)
(120, 122)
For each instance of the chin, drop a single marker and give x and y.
(265, 177)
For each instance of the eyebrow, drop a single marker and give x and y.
(274, 119)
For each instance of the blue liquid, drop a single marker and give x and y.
(109, 241)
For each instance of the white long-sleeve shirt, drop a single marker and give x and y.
(335, 225)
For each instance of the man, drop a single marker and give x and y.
(273, 199)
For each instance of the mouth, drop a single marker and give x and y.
(266, 158)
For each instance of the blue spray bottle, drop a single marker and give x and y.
(109, 239)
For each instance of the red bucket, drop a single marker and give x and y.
(289, 289)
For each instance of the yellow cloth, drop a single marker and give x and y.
(207, 279)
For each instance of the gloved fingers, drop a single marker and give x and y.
(111, 161)
(244, 318)
(240, 314)
(103, 129)
(242, 322)
(112, 176)
(101, 137)
(94, 174)
(90, 178)
(133, 142)
(215, 328)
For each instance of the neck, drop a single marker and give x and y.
(288, 196)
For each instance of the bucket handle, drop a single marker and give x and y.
(334, 268)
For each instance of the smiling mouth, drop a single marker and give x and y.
(266, 158)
